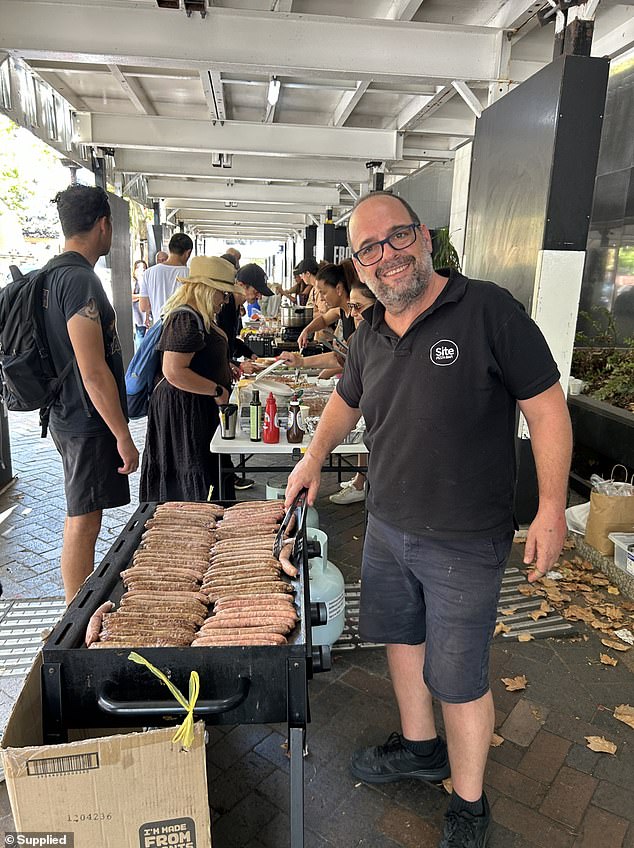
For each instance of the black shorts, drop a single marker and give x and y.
(440, 592)
(91, 479)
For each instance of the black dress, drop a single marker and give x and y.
(177, 462)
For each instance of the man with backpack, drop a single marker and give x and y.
(88, 419)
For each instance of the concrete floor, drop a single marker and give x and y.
(545, 787)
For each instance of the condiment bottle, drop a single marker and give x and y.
(255, 417)
(294, 431)
(270, 430)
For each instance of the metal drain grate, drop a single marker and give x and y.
(22, 625)
(519, 622)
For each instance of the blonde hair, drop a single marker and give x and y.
(198, 296)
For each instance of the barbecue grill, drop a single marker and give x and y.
(84, 688)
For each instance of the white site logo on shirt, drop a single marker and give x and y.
(444, 352)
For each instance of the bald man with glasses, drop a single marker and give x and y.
(438, 375)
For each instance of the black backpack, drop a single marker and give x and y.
(28, 376)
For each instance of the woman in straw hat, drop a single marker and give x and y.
(196, 380)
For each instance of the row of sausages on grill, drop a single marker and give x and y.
(195, 557)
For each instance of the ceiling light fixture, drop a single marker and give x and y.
(274, 91)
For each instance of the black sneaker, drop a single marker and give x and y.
(393, 761)
(243, 483)
(462, 830)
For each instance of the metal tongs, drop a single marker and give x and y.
(268, 369)
(298, 503)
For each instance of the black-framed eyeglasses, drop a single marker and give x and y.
(398, 240)
(354, 307)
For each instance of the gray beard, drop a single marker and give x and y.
(399, 299)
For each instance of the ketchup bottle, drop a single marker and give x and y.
(270, 431)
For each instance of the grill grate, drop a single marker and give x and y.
(23, 625)
(519, 622)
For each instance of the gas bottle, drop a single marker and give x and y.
(270, 430)
(326, 586)
(276, 490)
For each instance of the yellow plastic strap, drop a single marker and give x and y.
(185, 733)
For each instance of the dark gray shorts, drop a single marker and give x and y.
(91, 479)
(441, 592)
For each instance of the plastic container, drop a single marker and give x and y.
(326, 586)
(623, 558)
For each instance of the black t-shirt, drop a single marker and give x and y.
(439, 405)
(71, 288)
(183, 334)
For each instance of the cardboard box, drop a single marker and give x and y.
(127, 790)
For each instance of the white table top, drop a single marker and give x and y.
(242, 444)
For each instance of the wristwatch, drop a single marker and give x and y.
(219, 390)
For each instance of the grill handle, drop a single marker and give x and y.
(111, 706)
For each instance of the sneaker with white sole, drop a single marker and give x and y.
(349, 495)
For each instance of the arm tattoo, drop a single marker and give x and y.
(90, 310)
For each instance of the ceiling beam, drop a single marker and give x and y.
(133, 90)
(192, 135)
(67, 93)
(347, 103)
(616, 42)
(232, 215)
(402, 10)
(260, 206)
(429, 154)
(214, 95)
(134, 34)
(468, 96)
(422, 106)
(456, 127)
(513, 14)
(243, 191)
(169, 164)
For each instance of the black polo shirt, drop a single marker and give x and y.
(439, 405)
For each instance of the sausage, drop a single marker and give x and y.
(239, 641)
(213, 592)
(177, 617)
(190, 506)
(158, 571)
(179, 598)
(246, 621)
(279, 602)
(237, 596)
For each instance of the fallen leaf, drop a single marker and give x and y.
(548, 583)
(617, 646)
(612, 612)
(577, 613)
(528, 590)
(447, 785)
(607, 660)
(500, 627)
(625, 713)
(514, 684)
(545, 607)
(625, 635)
(612, 590)
(600, 744)
(600, 581)
(509, 611)
(525, 637)
(496, 740)
(537, 614)
(569, 545)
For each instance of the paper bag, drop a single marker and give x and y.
(608, 514)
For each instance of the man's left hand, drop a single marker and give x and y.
(544, 542)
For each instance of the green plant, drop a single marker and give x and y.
(607, 370)
(444, 254)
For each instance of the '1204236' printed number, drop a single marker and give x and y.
(81, 817)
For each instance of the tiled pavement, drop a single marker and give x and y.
(546, 788)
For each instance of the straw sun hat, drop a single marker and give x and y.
(212, 271)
